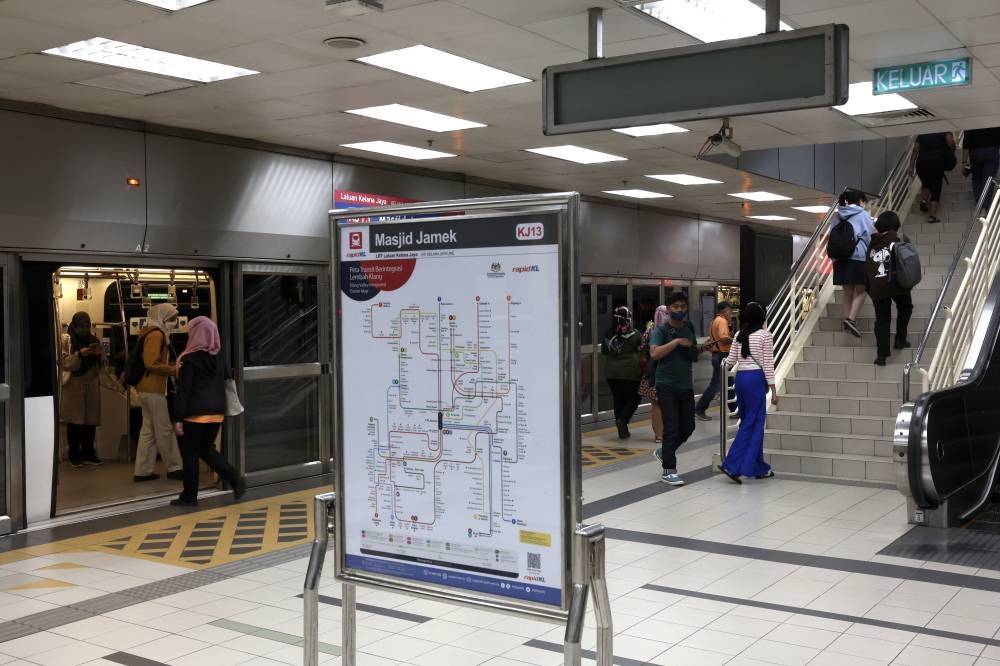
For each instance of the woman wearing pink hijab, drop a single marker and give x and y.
(200, 409)
(647, 387)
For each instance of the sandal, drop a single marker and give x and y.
(769, 475)
(734, 477)
(933, 220)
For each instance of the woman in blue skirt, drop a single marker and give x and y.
(752, 353)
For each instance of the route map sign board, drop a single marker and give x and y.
(455, 473)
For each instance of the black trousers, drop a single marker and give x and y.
(81, 441)
(883, 320)
(677, 408)
(199, 442)
(625, 396)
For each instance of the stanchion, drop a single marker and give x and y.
(348, 624)
(588, 577)
(323, 525)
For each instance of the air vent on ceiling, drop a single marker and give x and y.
(896, 118)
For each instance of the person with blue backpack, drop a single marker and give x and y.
(847, 246)
(889, 277)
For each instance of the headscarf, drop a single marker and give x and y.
(158, 315)
(661, 315)
(622, 317)
(752, 316)
(78, 342)
(203, 335)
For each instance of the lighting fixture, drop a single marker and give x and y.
(652, 130)
(638, 194)
(414, 117)
(685, 179)
(711, 20)
(172, 5)
(577, 154)
(105, 51)
(813, 209)
(760, 196)
(397, 150)
(437, 66)
(861, 101)
(771, 218)
(133, 182)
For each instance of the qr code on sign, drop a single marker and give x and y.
(534, 560)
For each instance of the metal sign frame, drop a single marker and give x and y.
(564, 206)
(836, 81)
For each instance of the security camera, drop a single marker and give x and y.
(726, 144)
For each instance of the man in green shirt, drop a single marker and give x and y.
(675, 349)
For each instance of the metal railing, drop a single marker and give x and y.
(956, 335)
(792, 314)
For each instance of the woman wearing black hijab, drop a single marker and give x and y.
(80, 401)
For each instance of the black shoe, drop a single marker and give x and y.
(623, 432)
(933, 220)
(880, 360)
(902, 344)
(145, 477)
(735, 477)
(183, 502)
(76, 463)
(93, 461)
(176, 475)
(239, 488)
(852, 327)
(923, 206)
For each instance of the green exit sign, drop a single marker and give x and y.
(922, 75)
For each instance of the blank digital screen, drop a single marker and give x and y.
(749, 74)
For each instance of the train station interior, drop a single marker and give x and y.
(241, 423)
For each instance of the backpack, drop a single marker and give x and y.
(841, 243)
(906, 270)
(135, 366)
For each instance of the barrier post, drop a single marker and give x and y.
(323, 506)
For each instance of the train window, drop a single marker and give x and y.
(281, 319)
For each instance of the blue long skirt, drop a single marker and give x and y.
(746, 455)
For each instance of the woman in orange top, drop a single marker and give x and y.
(721, 337)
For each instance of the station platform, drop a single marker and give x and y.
(777, 571)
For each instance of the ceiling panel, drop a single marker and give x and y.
(879, 17)
(976, 31)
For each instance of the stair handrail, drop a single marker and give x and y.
(957, 333)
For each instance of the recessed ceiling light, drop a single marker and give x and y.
(652, 130)
(813, 209)
(711, 20)
(172, 5)
(577, 154)
(437, 66)
(760, 196)
(414, 117)
(771, 218)
(638, 194)
(861, 101)
(685, 179)
(130, 56)
(397, 150)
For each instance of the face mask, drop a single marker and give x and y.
(678, 316)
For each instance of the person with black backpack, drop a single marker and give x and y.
(932, 155)
(847, 246)
(884, 285)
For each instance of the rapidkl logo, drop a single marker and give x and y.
(529, 231)
(356, 241)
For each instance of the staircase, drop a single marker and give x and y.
(837, 410)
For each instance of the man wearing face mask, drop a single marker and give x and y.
(157, 432)
(675, 349)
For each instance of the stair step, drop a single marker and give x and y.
(831, 424)
(837, 370)
(867, 340)
(845, 354)
(845, 388)
(821, 404)
(867, 324)
(840, 466)
(920, 297)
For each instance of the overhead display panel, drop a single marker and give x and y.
(780, 71)
(453, 418)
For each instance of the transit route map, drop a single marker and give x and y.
(450, 348)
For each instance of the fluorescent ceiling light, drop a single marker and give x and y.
(760, 196)
(414, 117)
(450, 70)
(710, 20)
(172, 5)
(638, 194)
(130, 56)
(861, 101)
(813, 209)
(652, 130)
(685, 179)
(397, 150)
(771, 218)
(577, 154)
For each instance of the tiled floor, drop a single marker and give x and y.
(782, 571)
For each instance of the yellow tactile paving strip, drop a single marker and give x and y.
(596, 455)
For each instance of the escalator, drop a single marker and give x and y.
(947, 442)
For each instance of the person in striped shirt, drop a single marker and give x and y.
(752, 354)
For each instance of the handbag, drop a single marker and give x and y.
(233, 405)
